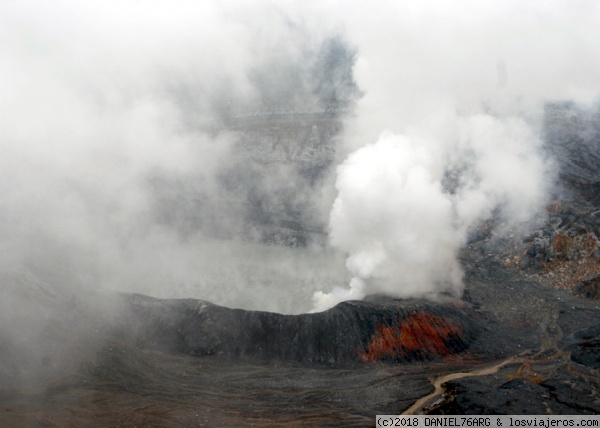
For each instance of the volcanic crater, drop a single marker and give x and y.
(522, 339)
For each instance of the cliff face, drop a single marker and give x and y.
(268, 190)
(281, 151)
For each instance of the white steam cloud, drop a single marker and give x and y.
(393, 218)
(403, 229)
(450, 136)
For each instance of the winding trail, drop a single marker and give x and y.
(550, 333)
(421, 402)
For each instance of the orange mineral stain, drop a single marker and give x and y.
(420, 336)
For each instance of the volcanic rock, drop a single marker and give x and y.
(379, 329)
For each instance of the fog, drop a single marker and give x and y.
(118, 169)
(125, 164)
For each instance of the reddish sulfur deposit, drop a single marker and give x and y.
(420, 336)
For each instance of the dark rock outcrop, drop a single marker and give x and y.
(350, 333)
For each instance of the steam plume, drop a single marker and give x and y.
(450, 136)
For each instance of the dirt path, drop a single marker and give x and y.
(550, 333)
(421, 402)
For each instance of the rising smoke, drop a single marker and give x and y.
(126, 164)
(447, 134)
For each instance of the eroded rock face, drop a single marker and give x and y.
(351, 333)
